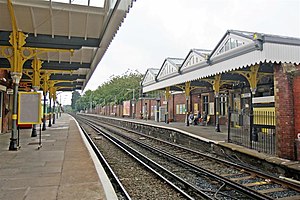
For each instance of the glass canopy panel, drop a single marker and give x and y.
(80, 2)
(97, 3)
(94, 3)
(230, 44)
(61, 1)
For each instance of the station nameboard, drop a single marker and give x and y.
(29, 111)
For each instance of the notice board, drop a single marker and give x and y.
(29, 111)
(126, 108)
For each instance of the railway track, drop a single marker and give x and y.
(132, 177)
(234, 177)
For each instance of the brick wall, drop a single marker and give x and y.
(284, 108)
(296, 91)
(179, 99)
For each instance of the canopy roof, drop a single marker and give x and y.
(88, 28)
(236, 50)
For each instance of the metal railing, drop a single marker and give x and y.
(260, 135)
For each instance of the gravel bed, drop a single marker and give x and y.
(200, 181)
(251, 180)
(282, 194)
(138, 181)
(237, 175)
(265, 187)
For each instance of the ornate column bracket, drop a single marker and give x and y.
(251, 76)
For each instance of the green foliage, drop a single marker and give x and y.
(114, 91)
(75, 97)
(67, 108)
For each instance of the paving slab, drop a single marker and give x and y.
(62, 168)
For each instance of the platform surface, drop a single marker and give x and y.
(61, 169)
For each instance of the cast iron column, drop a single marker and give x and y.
(13, 140)
(50, 113)
(33, 132)
(217, 128)
(167, 113)
(44, 112)
(53, 112)
(251, 118)
(187, 111)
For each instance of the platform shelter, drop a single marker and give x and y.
(250, 82)
(51, 45)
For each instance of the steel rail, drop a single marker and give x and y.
(155, 167)
(118, 186)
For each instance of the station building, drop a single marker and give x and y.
(250, 82)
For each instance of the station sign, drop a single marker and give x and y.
(9, 91)
(3, 88)
(246, 95)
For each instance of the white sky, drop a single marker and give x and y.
(156, 29)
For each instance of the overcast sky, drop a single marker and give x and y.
(156, 29)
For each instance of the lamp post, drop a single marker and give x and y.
(133, 102)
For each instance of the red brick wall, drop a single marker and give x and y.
(179, 99)
(138, 108)
(296, 91)
(284, 108)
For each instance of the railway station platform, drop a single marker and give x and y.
(63, 168)
(209, 135)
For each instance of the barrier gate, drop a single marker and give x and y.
(258, 133)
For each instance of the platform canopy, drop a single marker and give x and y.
(236, 51)
(87, 26)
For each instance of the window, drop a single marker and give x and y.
(152, 110)
(180, 109)
(223, 105)
(205, 104)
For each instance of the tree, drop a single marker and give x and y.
(116, 90)
(75, 97)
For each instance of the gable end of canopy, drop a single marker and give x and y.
(150, 76)
(194, 57)
(169, 68)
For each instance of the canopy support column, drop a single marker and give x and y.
(187, 97)
(50, 113)
(216, 88)
(44, 111)
(36, 81)
(13, 140)
(252, 78)
(54, 100)
(167, 96)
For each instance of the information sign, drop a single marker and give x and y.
(29, 111)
